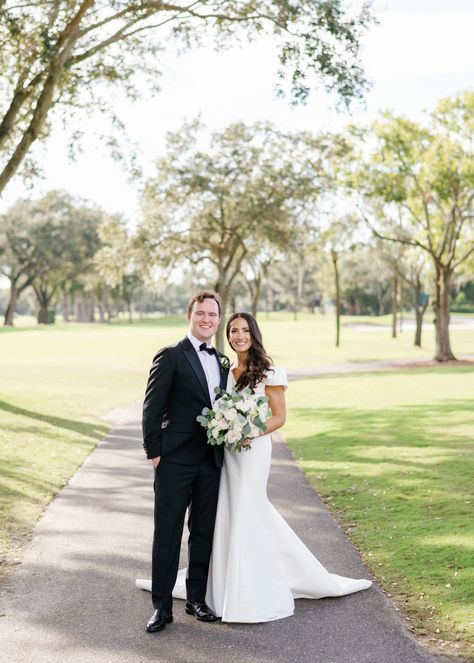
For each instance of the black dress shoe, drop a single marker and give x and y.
(201, 611)
(158, 620)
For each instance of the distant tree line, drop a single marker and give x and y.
(373, 220)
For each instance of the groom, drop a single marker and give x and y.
(187, 470)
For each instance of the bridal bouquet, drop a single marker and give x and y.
(235, 417)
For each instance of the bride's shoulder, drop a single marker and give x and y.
(276, 377)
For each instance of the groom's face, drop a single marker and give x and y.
(204, 319)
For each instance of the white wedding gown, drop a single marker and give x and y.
(258, 564)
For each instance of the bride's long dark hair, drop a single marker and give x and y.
(258, 362)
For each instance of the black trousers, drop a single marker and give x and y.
(176, 488)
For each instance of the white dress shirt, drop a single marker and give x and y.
(210, 364)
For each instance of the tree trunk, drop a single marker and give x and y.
(223, 293)
(255, 294)
(394, 304)
(334, 257)
(268, 300)
(441, 311)
(11, 306)
(400, 307)
(419, 326)
(43, 314)
(44, 300)
(299, 287)
(15, 291)
(420, 308)
(66, 311)
(380, 295)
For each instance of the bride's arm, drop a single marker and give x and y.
(276, 401)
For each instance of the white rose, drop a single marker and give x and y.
(230, 415)
(232, 437)
(215, 433)
(238, 425)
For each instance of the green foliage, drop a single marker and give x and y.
(68, 55)
(237, 202)
(416, 183)
(420, 179)
(118, 262)
(48, 242)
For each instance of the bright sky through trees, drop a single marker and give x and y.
(421, 51)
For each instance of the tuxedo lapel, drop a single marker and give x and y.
(191, 355)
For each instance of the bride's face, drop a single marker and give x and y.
(240, 338)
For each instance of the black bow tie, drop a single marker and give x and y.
(210, 351)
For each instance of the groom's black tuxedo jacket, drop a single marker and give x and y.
(176, 393)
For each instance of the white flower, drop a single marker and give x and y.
(238, 425)
(224, 362)
(230, 415)
(232, 436)
(215, 433)
(245, 406)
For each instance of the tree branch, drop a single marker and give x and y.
(65, 42)
(400, 240)
(464, 257)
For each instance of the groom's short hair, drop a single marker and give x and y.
(200, 296)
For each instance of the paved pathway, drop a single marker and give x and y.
(371, 366)
(73, 599)
(408, 324)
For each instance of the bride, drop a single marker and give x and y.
(258, 564)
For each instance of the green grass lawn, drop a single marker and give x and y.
(308, 341)
(388, 451)
(55, 384)
(392, 455)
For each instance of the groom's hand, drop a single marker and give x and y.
(156, 461)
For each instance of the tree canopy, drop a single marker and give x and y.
(66, 54)
(416, 182)
(45, 243)
(227, 203)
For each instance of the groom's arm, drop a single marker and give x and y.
(156, 399)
